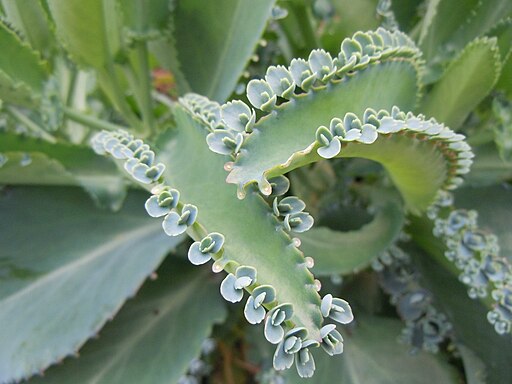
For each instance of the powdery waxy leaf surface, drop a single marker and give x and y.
(78, 267)
(468, 79)
(373, 356)
(243, 223)
(337, 252)
(31, 161)
(215, 40)
(154, 337)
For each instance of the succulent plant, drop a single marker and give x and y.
(242, 186)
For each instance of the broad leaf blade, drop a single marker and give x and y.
(494, 207)
(66, 268)
(337, 252)
(32, 161)
(469, 317)
(465, 83)
(154, 337)
(21, 69)
(215, 40)
(373, 356)
(253, 236)
(88, 30)
(29, 17)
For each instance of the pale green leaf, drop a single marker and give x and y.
(465, 83)
(202, 182)
(488, 167)
(21, 69)
(88, 30)
(33, 161)
(215, 40)
(154, 337)
(494, 207)
(29, 17)
(469, 317)
(66, 268)
(372, 355)
(337, 252)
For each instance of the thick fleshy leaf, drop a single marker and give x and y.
(154, 337)
(373, 356)
(450, 24)
(465, 83)
(202, 182)
(215, 40)
(468, 317)
(88, 259)
(293, 126)
(19, 61)
(99, 18)
(337, 252)
(29, 17)
(494, 208)
(61, 164)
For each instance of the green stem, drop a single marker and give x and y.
(90, 121)
(119, 98)
(27, 122)
(298, 29)
(146, 103)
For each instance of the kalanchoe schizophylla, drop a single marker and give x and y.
(290, 212)
(356, 53)
(366, 129)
